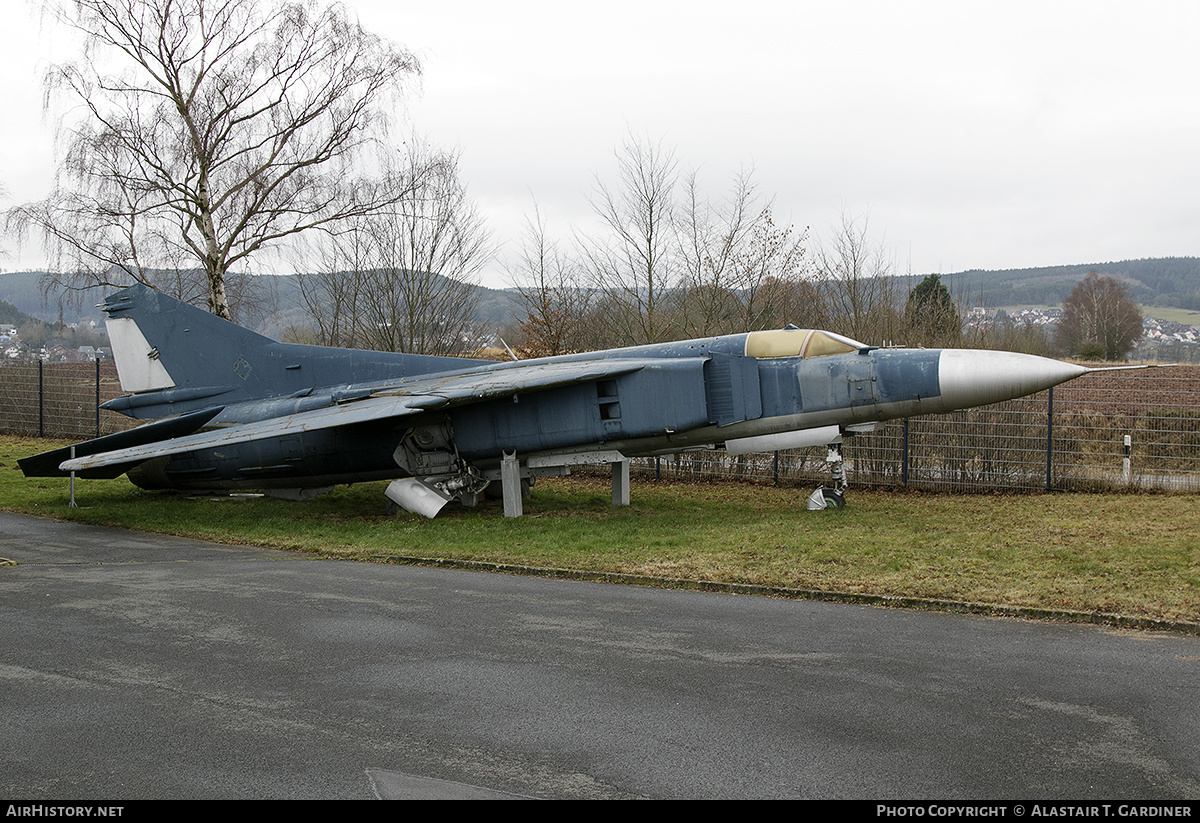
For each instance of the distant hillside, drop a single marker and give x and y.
(10, 315)
(1172, 282)
(22, 292)
(1168, 282)
(497, 307)
(282, 303)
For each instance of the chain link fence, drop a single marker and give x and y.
(59, 400)
(1072, 437)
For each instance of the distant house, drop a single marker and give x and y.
(62, 354)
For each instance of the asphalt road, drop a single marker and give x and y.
(139, 666)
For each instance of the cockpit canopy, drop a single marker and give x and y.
(798, 343)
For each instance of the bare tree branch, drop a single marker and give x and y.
(743, 272)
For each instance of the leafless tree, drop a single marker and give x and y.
(855, 277)
(403, 280)
(3, 196)
(740, 268)
(557, 305)
(634, 263)
(1099, 319)
(711, 237)
(334, 283)
(227, 128)
(772, 284)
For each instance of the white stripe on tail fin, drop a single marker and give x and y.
(138, 365)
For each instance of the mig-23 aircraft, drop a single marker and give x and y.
(236, 410)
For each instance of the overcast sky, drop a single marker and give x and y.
(976, 135)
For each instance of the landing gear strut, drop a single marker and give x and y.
(827, 497)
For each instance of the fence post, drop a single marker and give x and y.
(904, 458)
(41, 405)
(97, 396)
(1049, 433)
(775, 467)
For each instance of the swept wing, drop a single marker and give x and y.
(405, 398)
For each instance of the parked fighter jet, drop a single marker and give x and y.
(236, 410)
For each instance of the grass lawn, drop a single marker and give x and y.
(1134, 555)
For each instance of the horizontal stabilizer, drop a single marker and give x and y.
(363, 411)
(47, 464)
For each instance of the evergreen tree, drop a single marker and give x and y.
(931, 316)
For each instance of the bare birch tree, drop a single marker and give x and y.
(225, 128)
(1100, 320)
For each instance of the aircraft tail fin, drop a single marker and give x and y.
(174, 358)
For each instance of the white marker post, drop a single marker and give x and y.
(71, 504)
(1125, 469)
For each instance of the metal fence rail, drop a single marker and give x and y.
(1069, 438)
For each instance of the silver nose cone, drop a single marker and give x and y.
(976, 378)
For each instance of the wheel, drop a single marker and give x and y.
(826, 498)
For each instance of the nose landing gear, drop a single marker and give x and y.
(831, 497)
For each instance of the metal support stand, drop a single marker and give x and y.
(620, 483)
(510, 484)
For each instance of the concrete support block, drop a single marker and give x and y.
(510, 484)
(620, 483)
